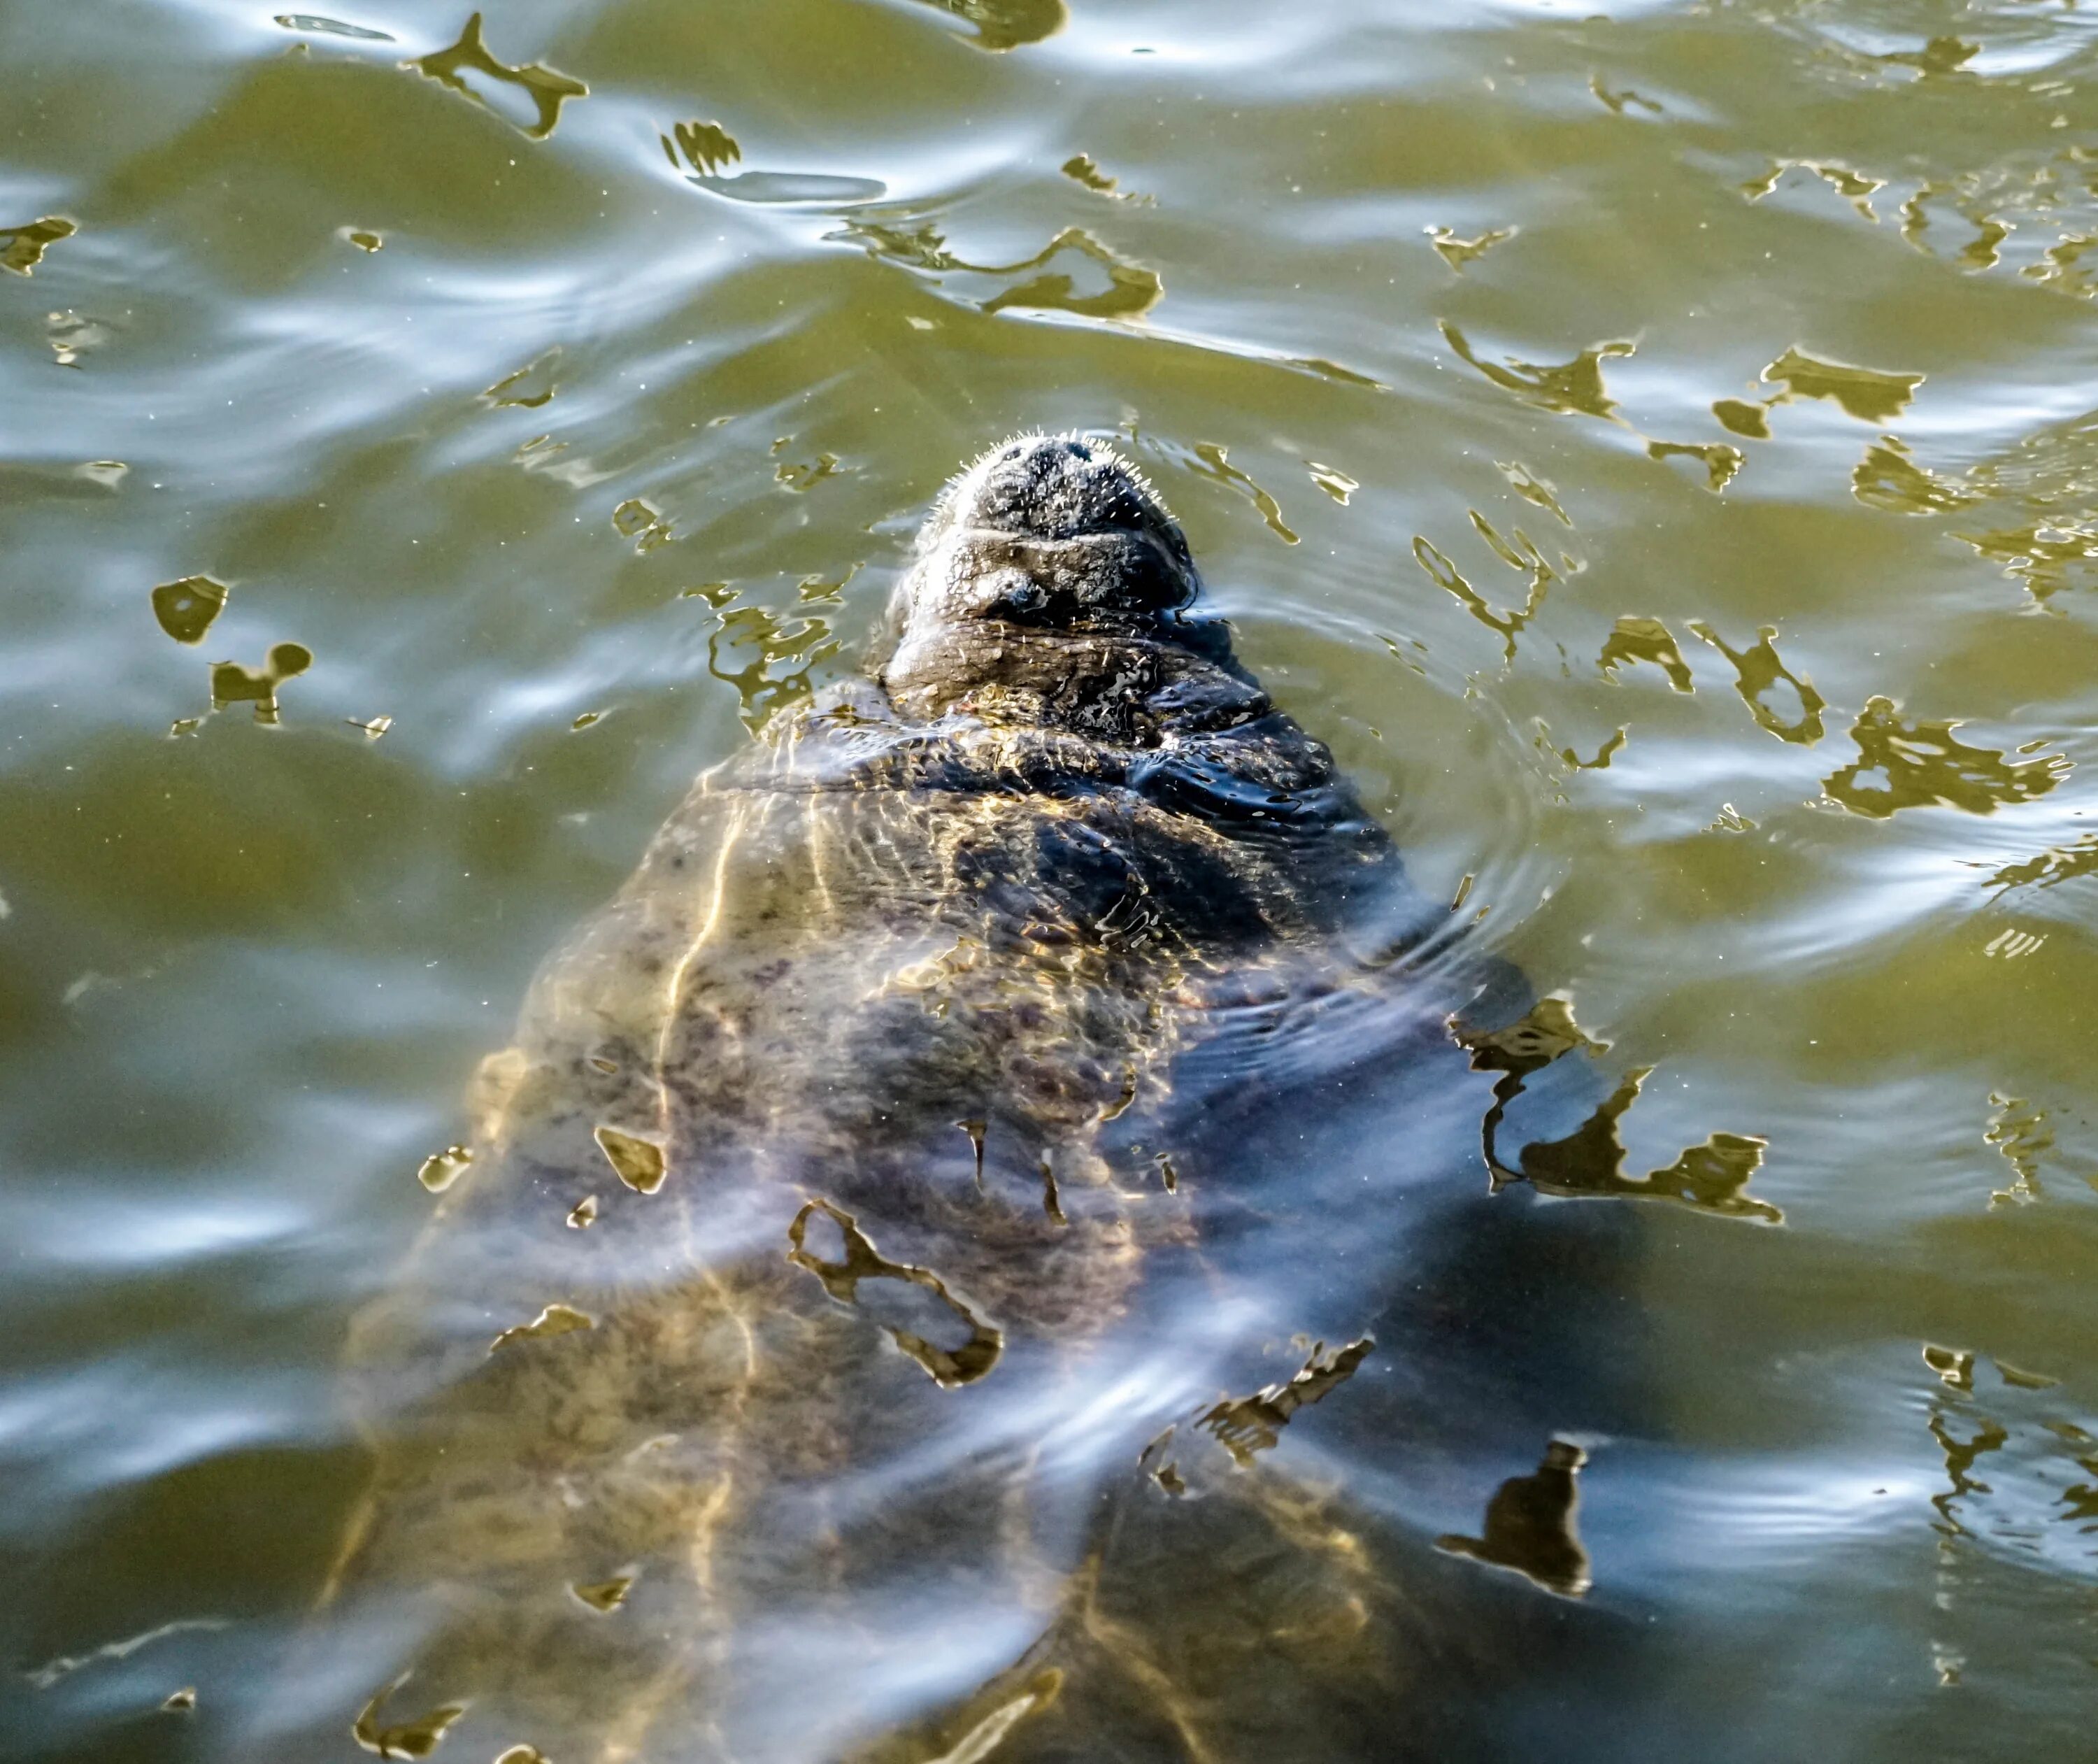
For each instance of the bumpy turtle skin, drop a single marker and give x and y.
(892, 1028)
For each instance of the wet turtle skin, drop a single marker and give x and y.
(871, 1180)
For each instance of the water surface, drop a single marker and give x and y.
(1657, 448)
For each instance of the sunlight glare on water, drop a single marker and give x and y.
(1655, 445)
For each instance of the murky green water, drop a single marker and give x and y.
(1658, 450)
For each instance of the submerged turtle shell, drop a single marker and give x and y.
(834, 1171)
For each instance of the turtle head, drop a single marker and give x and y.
(1044, 535)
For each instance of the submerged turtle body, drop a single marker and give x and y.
(832, 1228)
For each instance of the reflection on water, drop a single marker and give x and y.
(1522, 554)
(2012, 1460)
(22, 248)
(1570, 388)
(782, 653)
(234, 682)
(802, 474)
(1721, 463)
(440, 1169)
(1743, 418)
(1213, 460)
(1888, 477)
(2044, 491)
(605, 1596)
(841, 1279)
(1530, 1525)
(1634, 639)
(414, 1739)
(1081, 169)
(556, 1320)
(1955, 1366)
(2050, 868)
(1457, 253)
(569, 380)
(530, 386)
(642, 523)
(1910, 766)
(1845, 182)
(327, 27)
(1941, 55)
(72, 336)
(1130, 290)
(1588, 1162)
(545, 88)
(1618, 103)
(186, 608)
(707, 147)
(1865, 393)
(637, 1162)
(1249, 1424)
(1796, 717)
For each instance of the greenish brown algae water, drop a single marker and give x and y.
(1656, 446)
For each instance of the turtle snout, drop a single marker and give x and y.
(1053, 532)
(1057, 487)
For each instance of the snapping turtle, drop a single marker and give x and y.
(964, 1091)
